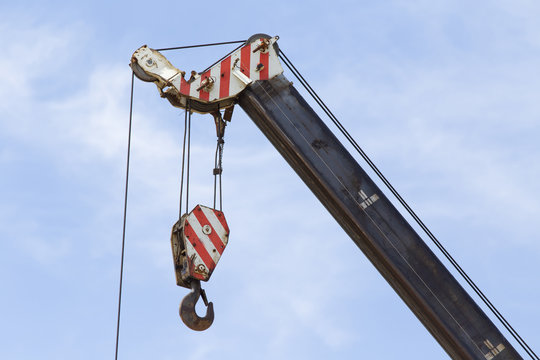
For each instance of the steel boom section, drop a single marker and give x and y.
(373, 223)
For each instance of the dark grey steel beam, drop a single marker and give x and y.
(373, 223)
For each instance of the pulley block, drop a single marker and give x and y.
(198, 239)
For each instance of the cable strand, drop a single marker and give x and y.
(220, 173)
(183, 164)
(215, 173)
(125, 217)
(201, 45)
(188, 108)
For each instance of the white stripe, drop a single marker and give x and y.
(255, 60)
(215, 223)
(368, 202)
(215, 74)
(362, 194)
(235, 85)
(205, 240)
(193, 88)
(273, 63)
(190, 250)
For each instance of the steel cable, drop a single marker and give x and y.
(188, 109)
(241, 42)
(411, 212)
(218, 169)
(201, 45)
(125, 217)
(183, 163)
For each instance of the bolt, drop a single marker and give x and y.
(206, 229)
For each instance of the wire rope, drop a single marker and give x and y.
(241, 42)
(188, 109)
(411, 212)
(201, 45)
(125, 217)
(218, 169)
(186, 145)
(218, 159)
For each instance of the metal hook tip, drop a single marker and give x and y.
(189, 315)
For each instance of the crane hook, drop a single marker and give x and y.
(187, 309)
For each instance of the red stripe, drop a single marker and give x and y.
(199, 247)
(225, 78)
(184, 87)
(197, 275)
(222, 220)
(245, 58)
(204, 95)
(264, 71)
(219, 244)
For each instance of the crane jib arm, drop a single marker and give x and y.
(353, 199)
(372, 222)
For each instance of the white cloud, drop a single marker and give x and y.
(33, 51)
(95, 119)
(45, 250)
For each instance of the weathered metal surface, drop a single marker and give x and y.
(179, 253)
(198, 239)
(217, 87)
(187, 309)
(374, 224)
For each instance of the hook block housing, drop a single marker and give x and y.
(198, 239)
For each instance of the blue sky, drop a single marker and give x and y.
(442, 95)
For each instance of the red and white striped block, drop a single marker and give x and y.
(257, 60)
(206, 235)
(230, 76)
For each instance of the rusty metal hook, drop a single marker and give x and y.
(187, 309)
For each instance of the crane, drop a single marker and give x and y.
(252, 77)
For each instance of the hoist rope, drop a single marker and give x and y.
(449, 257)
(187, 135)
(241, 42)
(219, 148)
(201, 45)
(125, 217)
(220, 167)
(188, 109)
(218, 160)
(183, 162)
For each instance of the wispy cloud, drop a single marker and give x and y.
(462, 127)
(442, 106)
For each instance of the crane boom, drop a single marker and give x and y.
(372, 222)
(252, 77)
